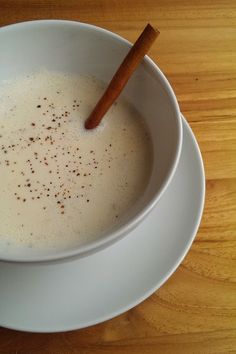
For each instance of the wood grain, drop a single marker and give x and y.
(195, 311)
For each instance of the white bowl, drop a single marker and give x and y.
(80, 48)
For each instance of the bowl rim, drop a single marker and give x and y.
(113, 236)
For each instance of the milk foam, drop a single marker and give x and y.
(61, 185)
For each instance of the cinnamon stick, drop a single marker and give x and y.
(122, 75)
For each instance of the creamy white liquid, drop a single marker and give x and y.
(60, 184)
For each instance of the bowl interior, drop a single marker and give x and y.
(83, 49)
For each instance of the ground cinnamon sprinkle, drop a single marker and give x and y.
(54, 175)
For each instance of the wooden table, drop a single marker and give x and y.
(195, 311)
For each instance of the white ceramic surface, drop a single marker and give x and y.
(80, 293)
(84, 49)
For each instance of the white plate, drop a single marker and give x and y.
(81, 293)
